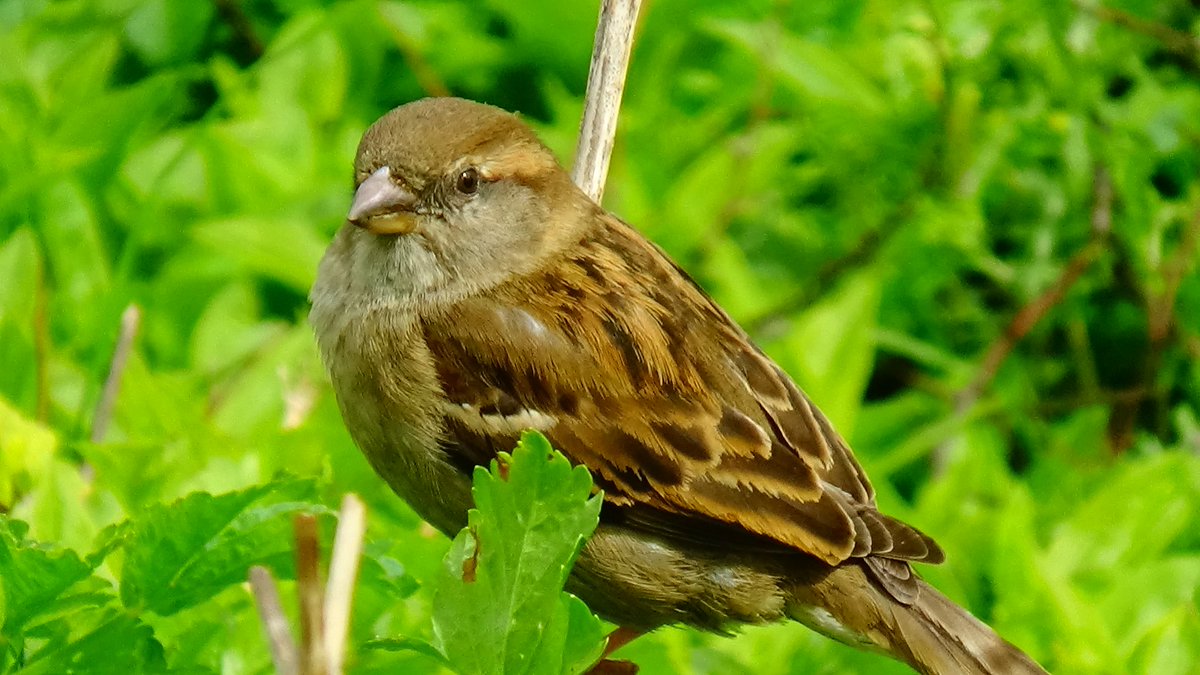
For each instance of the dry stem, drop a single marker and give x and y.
(606, 83)
(131, 318)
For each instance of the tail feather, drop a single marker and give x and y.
(932, 634)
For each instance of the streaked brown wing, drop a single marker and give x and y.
(631, 370)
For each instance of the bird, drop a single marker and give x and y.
(474, 292)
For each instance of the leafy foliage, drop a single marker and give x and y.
(60, 618)
(181, 554)
(499, 607)
(969, 230)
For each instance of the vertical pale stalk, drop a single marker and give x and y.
(343, 570)
(606, 83)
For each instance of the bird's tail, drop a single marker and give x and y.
(932, 634)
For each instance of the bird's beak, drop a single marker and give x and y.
(381, 206)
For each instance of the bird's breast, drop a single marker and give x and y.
(388, 393)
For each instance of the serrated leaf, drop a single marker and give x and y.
(499, 606)
(584, 637)
(97, 641)
(180, 554)
(32, 576)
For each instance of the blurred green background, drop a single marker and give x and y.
(969, 230)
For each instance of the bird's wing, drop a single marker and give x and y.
(631, 370)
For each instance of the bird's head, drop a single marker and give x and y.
(453, 196)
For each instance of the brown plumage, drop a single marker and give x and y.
(476, 293)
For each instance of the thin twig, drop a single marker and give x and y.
(1102, 397)
(130, 320)
(1175, 41)
(343, 569)
(274, 622)
(1037, 309)
(1191, 345)
(606, 83)
(1174, 269)
(313, 660)
(1033, 312)
(324, 616)
(862, 253)
(243, 29)
(1161, 324)
(427, 76)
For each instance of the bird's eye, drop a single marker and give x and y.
(468, 181)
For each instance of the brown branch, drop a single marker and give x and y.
(324, 616)
(1104, 397)
(313, 660)
(1175, 41)
(1161, 324)
(1032, 313)
(1161, 309)
(427, 77)
(602, 104)
(862, 253)
(243, 29)
(130, 320)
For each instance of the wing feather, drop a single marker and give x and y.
(632, 371)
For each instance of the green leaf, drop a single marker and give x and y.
(1125, 523)
(284, 250)
(181, 554)
(21, 269)
(499, 606)
(32, 576)
(164, 32)
(27, 451)
(813, 69)
(1172, 647)
(97, 641)
(384, 574)
(58, 618)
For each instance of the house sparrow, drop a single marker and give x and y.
(475, 292)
